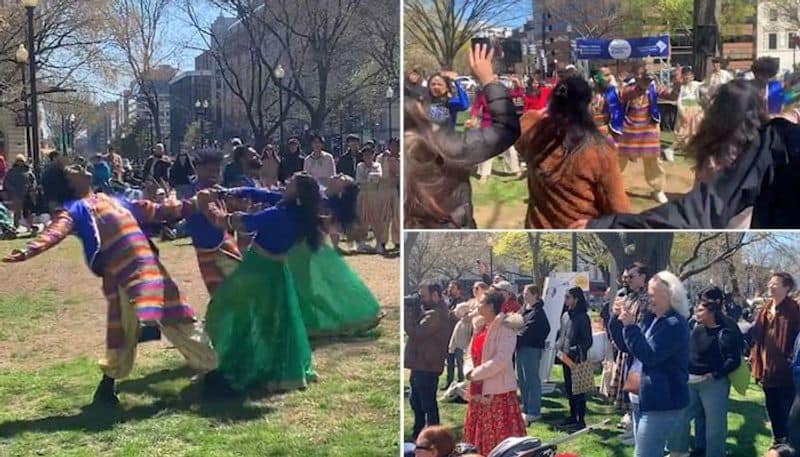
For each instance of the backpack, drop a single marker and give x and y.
(516, 447)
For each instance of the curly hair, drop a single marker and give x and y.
(730, 126)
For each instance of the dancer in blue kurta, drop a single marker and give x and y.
(333, 300)
(254, 317)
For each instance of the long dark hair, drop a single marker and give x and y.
(730, 126)
(425, 161)
(346, 205)
(568, 125)
(307, 206)
(580, 306)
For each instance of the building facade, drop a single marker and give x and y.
(776, 34)
(186, 89)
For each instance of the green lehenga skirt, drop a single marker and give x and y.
(256, 327)
(333, 300)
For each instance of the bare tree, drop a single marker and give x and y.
(68, 37)
(246, 57)
(139, 35)
(589, 19)
(72, 111)
(442, 27)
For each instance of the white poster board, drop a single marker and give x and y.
(555, 288)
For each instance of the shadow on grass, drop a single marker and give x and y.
(746, 435)
(95, 419)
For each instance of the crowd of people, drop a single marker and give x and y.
(576, 135)
(670, 360)
(374, 169)
(270, 295)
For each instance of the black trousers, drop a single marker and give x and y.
(423, 400)
(577, 403)
(794, 421)
(779, 403)
(455, 363)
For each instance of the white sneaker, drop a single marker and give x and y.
(660, 197)
(530, 419)
(669, 154)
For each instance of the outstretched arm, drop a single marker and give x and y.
(147, 211)
(256, 195)
(58, 229)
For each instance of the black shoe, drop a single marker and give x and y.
(574, 427)
(215, 386)
(149, 333)
(104, 394)
(446, 386)
(568, 421)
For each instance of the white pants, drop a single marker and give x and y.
(510, 160)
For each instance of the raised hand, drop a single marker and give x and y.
(480, 61)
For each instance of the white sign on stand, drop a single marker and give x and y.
(555, 288)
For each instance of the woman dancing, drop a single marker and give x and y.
(137, 287)
(254, 318)
(333, 300)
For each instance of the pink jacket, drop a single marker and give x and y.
(496, 370)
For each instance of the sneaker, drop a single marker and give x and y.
(669, 154)
(530, 419)
(104, 395)
(363, 248)
(660, 197)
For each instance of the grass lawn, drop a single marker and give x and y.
(52, 322)
(748, 429)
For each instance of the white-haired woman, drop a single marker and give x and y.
(658, 373)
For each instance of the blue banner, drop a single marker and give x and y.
(623, 48)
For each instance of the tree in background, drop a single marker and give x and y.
(443, 27)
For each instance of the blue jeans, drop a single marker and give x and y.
(423, 400)
(651, 430)
(530, 385)
(708, 400)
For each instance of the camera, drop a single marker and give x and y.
(412, 300)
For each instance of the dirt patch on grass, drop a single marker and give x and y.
(77, 325)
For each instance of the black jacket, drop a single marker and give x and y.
(536, 329)
(157, 168)
(465, 150)
(290, 164)
(575, 336)
(347, 163)
(764, 177)
(181, 173)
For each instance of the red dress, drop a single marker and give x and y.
(491, 421)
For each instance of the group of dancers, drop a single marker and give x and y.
(289, 286)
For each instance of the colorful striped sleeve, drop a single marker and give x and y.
(149, 211)
(59, 228)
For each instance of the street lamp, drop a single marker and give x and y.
(201, 107)
(22, 60)
(72, 133)
(279, 75)
(30, 5)
(490, 243)
(389, 97)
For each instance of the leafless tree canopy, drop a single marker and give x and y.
(589, 19)
(442, 27)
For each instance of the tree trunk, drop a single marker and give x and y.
(707, 43)
(652, 249)
(408, 246)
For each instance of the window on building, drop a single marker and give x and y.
(773, 14)
(792, 40)
(773, 41)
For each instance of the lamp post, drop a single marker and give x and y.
(30, 5)
(342, 144)
(490, 243)
(72, 133)
(389, 97)
(22, 60)
(200, 109)
(279, 75)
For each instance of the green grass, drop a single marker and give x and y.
(351, 411)
(748, 429)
